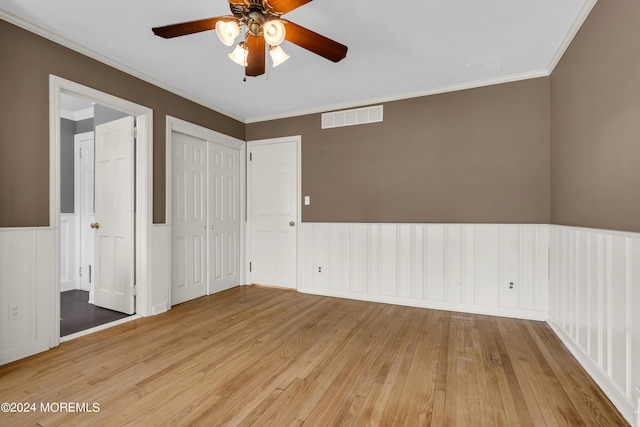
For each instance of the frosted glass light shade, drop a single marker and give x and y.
(277, 55)
(227, 31)
(273, 32)
(239, 54)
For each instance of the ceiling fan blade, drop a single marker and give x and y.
(285, 6)
(256, 56)
(191, 27)
(314, 42)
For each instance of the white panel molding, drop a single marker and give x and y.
(68, 252)
(457, 267)
(594, 300)
(160, 267)
(27, 281)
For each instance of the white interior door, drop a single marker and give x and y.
(273, 214)
(114, 215)
(189, 220)
(84, 202)
(224, 217)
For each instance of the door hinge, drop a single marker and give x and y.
(80, 153)
(250, 157)
(79, 271)
(249, 267)
(134, 132)
(134, 290)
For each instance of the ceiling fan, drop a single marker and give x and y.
(264, 27)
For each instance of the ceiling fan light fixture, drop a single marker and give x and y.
(239, 54)
(263, 28)
(277, 55)
(227, 31)
(274, 32)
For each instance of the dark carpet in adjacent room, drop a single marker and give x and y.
(76, 314)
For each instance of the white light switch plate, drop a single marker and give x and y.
(307, 200)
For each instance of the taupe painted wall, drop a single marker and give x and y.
(26, 60)
(473, 156)
(595, 122)
(482, 155)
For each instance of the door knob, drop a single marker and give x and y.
(293, 224)
(95, 225)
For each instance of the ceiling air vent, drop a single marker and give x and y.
(358, 116)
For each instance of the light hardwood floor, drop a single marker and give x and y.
(260, 356)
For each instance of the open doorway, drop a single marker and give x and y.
(80, 121)
(139, 195)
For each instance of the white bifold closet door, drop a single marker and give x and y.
(205, 224)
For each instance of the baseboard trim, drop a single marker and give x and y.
(26, 350)
(616, 397)
(160, 308)
(431, 304)
(67, 286)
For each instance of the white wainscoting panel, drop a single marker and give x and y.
(68, 252)
(595, 306)
(459, 267)
(27, 274)
(160, 267)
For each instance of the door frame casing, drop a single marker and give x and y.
(143, 188)
(174, 124)
(298, 141)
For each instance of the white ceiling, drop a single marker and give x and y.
(396, 49)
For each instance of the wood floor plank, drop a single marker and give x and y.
(384, 373)
(584, 394)
(562, 408)
(518, 375)
(353, 379)
(420, 386)
(440, 397)
(319, 355)
(503, 412)
(451, 386)
(271, 357)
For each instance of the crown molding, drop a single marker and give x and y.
(87, 113)
(110, 62)
(575, 27)
(407, 95)
(66, 114)
(76, 116)
(584, 12)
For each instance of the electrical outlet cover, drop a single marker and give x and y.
(14, 312)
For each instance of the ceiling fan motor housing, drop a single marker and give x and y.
(255, 19)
